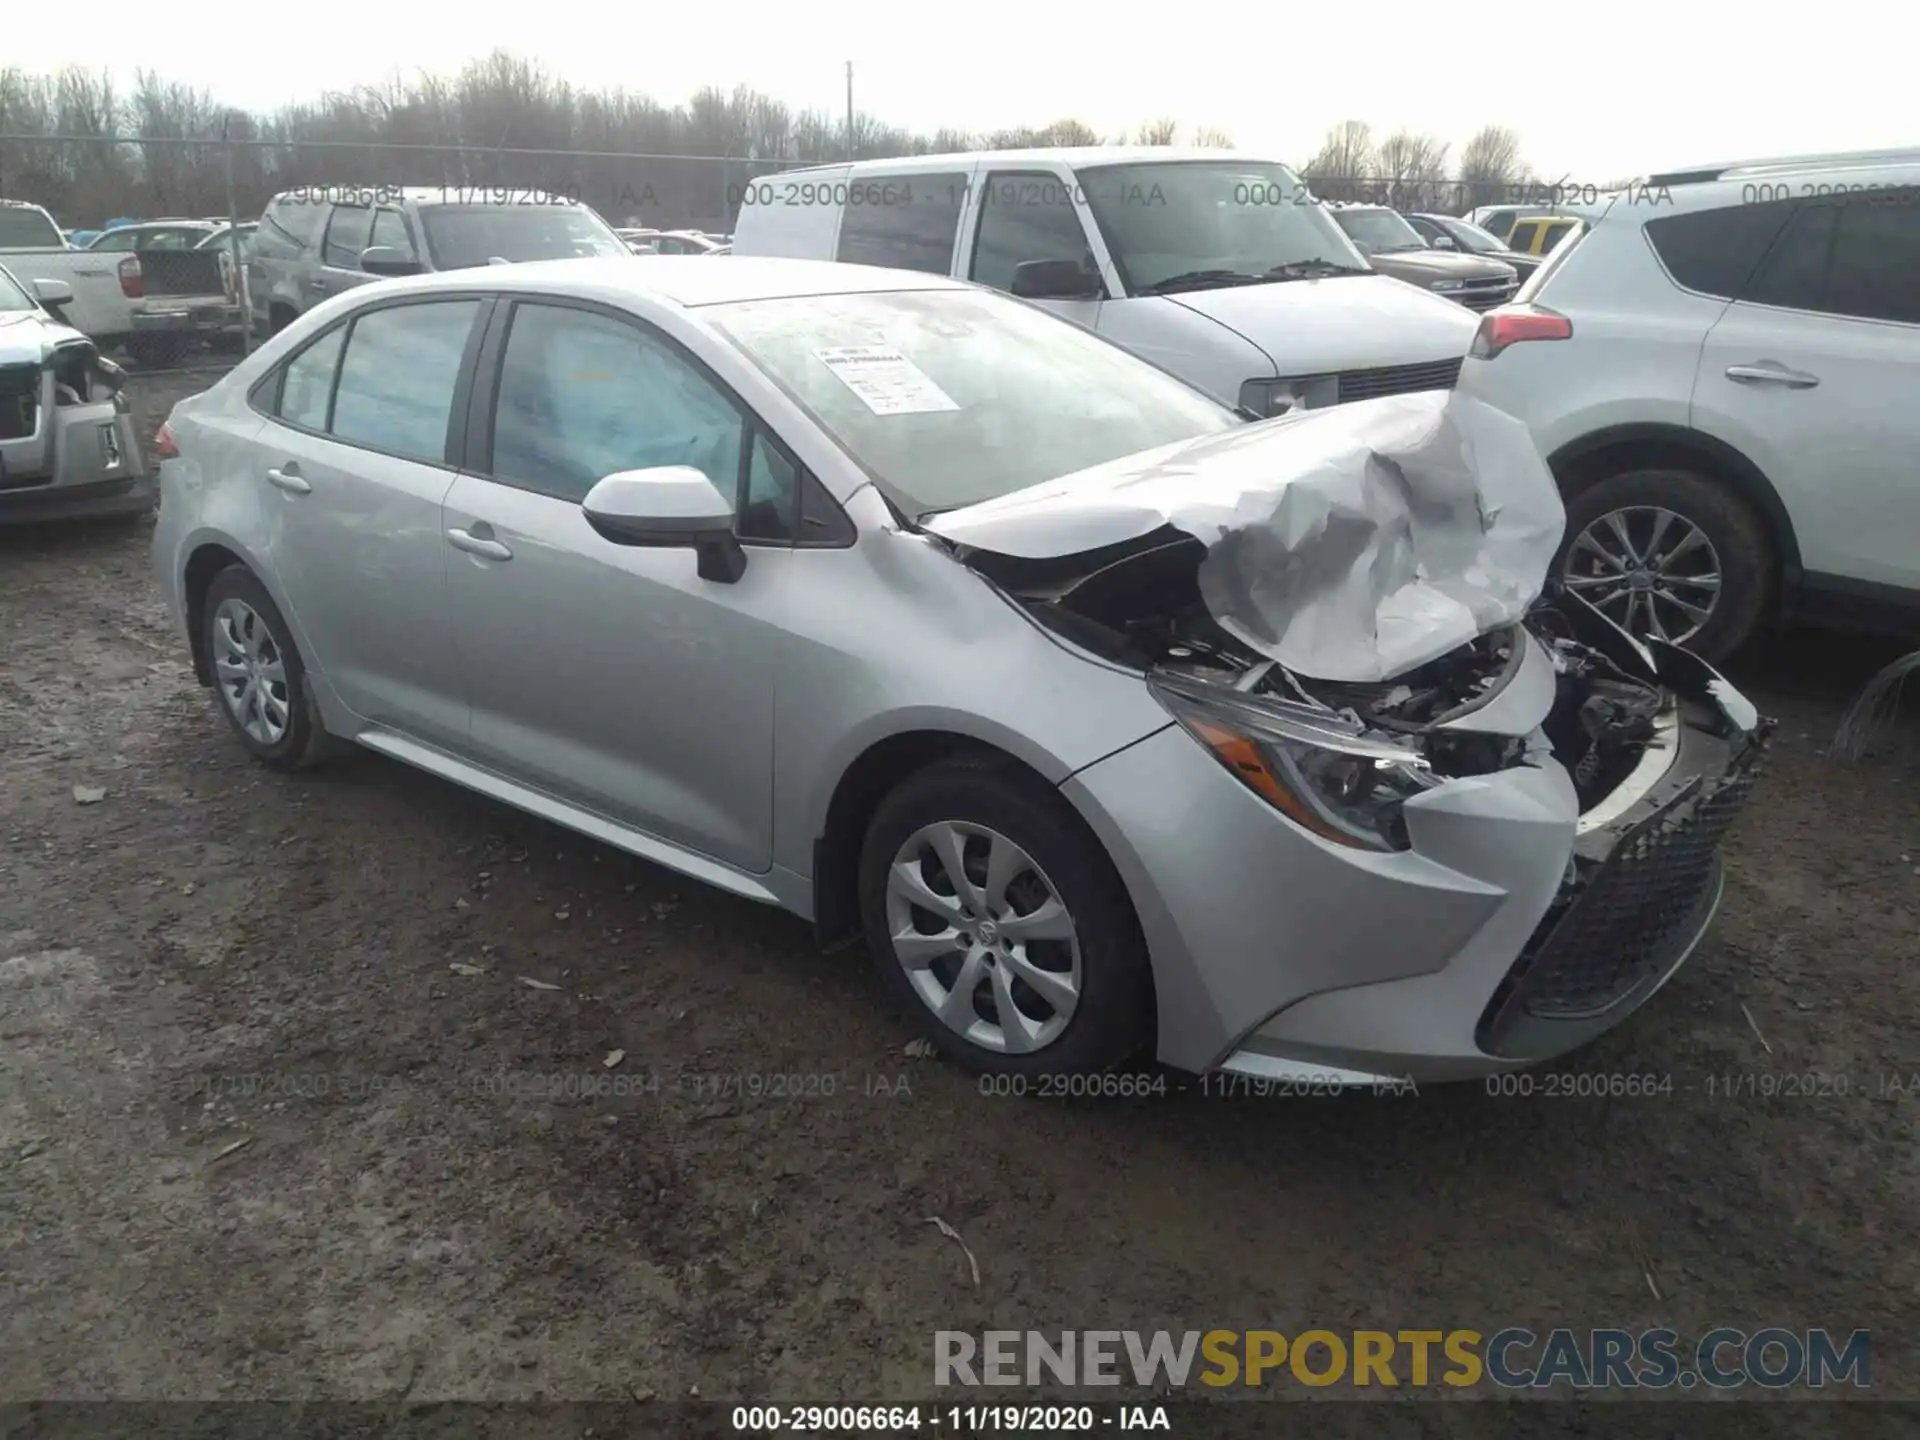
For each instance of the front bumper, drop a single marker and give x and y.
(76, 460)
(1512, 931)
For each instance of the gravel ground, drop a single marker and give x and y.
(333, 973)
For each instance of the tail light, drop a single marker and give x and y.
(1512, 324)
(163, 446)
(132, 284)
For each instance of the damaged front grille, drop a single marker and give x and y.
(19, 401)
(1620, 924)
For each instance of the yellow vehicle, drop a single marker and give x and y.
(1538, 234)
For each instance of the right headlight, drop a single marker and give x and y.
(1325, 773)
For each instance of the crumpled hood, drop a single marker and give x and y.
(1349, 544)
(27, 337)
(1326, 326)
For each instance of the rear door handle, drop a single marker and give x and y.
(1768, 373)
(289, 480)
(316, 284)
(481, 545)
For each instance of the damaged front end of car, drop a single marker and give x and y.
(66, 428)
(1350, 618)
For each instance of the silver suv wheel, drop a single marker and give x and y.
(1648, 569)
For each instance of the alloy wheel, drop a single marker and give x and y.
(984, 938)
(251, 672)
(1649, 569)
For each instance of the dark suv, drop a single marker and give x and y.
(317, 241)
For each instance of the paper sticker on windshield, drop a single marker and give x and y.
(885, 380)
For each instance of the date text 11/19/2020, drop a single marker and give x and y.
(1219, 1085)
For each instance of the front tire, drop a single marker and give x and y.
(1671, 554)
(999, 923)
(259, 680)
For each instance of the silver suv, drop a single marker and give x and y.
(316, 241)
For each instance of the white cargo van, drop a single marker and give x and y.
(1215, 265)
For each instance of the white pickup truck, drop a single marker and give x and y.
(31, 247)
(153, 301)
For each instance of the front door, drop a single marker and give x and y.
(1027, 215)
(611, 676)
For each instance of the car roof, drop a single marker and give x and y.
(1783, 165)
(1078, 156)
(685, 280)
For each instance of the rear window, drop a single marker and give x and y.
(459, 236)
(24, 229)
(1715, 251)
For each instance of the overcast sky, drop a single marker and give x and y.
(1596, 92)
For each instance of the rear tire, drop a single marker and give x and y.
(259, 680)
(1732, 547)
(1047, 976)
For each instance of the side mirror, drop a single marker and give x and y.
(1444, 242)
(1057, 280)
(54, 294)
(669, 507)
(387, 260)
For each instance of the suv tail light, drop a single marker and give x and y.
(132, 285)
(163, 446)
(1511, 324)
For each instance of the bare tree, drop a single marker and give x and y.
(1344, 162)
(1156, 132)
(1212, 137)
(1490, 165)
(1412, 169)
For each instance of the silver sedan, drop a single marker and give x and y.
(1118, 725)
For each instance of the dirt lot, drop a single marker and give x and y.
(425, 1202)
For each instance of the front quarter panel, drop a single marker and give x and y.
(893, 636)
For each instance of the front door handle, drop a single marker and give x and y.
(481, 545)
(316, 283)
(1767, 372)
(289, 480)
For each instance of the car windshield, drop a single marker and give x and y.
(1379, 232)
(463, 235)
(12, 297)
(1201, 224)
(950, 397)
(1469, 236)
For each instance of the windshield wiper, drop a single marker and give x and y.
(1311, 269)
(1202, 280)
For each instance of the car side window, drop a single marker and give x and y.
(909, 223)
(307, 387)
(295, 218)
(398, 376)
(390, 228)
(346, 236)
(1024, 216)
(1714, 252)
(1876, 260)
(115, 240)
(583, 396)
(1794, 275)
(769, 493)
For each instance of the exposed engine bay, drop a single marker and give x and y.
(80, 375)
(1143, 609)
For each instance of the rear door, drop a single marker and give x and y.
(353, 468)
(1814, 374)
